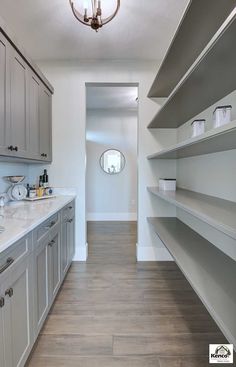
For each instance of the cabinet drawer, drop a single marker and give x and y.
(45, 228)
(69, 211)
(16, 252)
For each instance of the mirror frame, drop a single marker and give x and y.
(114, 173)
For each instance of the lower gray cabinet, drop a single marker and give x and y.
(41, 292)
(54, 266)
(2, 354)
(30, 277)
(68, 241)
(65, 247)
(17, 313)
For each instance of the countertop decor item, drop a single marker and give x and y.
(36, 198)
(95, 20)
(17, 191)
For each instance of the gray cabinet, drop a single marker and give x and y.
(68, 237)
(16, 310)
(47, 268)
(4, 93)
(25, 109)
(30, 277)
(41, 292)
(2, 303)
(19, 102)
(45, 124)
(54, 267)
(34, 119)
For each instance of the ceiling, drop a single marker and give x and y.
(108, 98)
(142, 30)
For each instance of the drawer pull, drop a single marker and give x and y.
(70, 207)
(9, 262)
(51, 225)
(2, 302)
(9, 292)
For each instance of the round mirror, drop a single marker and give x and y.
(112, 161)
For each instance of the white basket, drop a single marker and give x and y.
(222, 115)
(198, 127)
(167, 184)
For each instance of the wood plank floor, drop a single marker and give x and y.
(114, 312)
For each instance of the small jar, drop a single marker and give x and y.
(32, 192)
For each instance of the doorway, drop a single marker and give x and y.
(111, 169)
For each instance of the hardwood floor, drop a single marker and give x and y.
(114, 312)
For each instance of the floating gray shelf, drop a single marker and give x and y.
(210, 272)
(218, 213)
(189, 41)
(209, 79)
(217, 140)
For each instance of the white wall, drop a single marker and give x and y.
(111, 197)
(69, 160)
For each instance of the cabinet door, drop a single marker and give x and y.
(64, 247)
(4, 94)
(45, 124)
(71, 226)
(54, 266)
(19, 136)
(2, 354)
(34, 121)
(41, 303)
(18, 312)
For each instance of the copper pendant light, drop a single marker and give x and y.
(94, 20)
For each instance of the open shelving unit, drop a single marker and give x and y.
(195, 92)
(189, 40)
(217, 140)
(218, 213)
(210, 272)
(194, 76)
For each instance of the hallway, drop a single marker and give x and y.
(114, 312)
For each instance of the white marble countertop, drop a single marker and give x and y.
(18, 219)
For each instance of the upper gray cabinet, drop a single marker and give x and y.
(45, 114)
(34, 120)
(40, 120)
(25, 108)
(4, 93)
(19, 102)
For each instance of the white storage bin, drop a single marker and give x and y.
(167, 184)
(198, 127)
(222, 115)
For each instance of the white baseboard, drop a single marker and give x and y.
(111, 216)
(81, 253)
(151, 253)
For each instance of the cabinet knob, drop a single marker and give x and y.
(70, 221)
(44, 155)
(51, 243)
(16, 148)
(9, 292)
(10, 147)
(2, 302)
